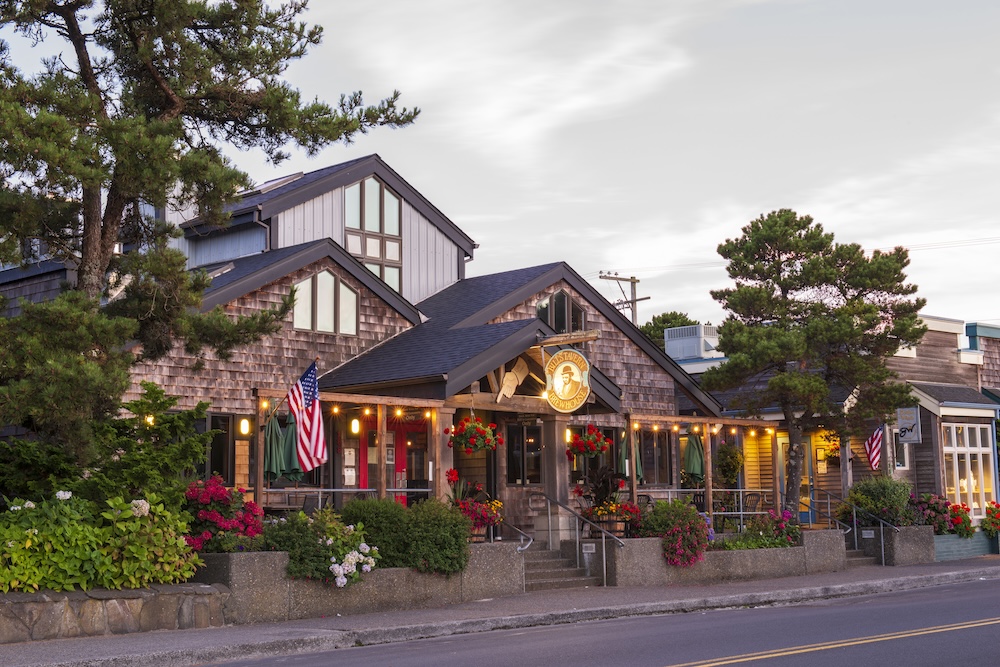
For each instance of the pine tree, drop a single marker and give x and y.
(805, 317)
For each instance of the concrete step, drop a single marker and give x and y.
(552, 584)
(857, 558)
(558, 573)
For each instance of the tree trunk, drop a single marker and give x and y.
(796, 459)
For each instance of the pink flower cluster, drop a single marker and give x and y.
(218, 509)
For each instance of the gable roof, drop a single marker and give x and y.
(242, 276)
(458, 328)
(954, 396)
(259, 205)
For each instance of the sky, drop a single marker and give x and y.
(634, 137)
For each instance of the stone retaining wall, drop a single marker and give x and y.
(50, 615)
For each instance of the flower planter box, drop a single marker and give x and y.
(640, 562)
(912, 545)
(261, 592)
(953, 547)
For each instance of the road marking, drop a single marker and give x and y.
(826, 646)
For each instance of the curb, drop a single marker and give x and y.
(314, 641)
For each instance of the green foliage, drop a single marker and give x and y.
(63, 369)
(768, 531)
(67, 543)
(728, 464)
(32, 468)
(879, 496)
(806, 315)
(961, 520)
(933, 510)
(155, 449)
(990, 523)
(438, 537)
(683, 529)
(321, 547)
(655, 327)
(385, 524)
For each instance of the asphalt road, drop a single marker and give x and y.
(939, 626)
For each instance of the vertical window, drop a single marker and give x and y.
(222, 452)
(324, 303)
(901, 451)
(348, 310)
(373, 215)
(968, 461)
(524, 455)
(562, 313)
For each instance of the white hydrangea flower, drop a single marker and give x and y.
(364, 548)
(340, 581)
(366, 568)
(140, 507)
(28, 505)
(15, 508)
(349, 528)
(66, 495)
(338, 570)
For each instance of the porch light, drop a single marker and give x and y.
(264, 404)
(769, 431)
(753, 433)
(656, 427)
(715, 429)
(569, 435)
(244, 426)
(150, 420)
(676, 428)
(399, 412)
(368, 411)
(635, 426)
(336, 410)
(732, 431)
(695, 429)
(427, 414)
(355, 426)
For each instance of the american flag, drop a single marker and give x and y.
(873, 446)
(303, 399)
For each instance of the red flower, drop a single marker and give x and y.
(452, 476)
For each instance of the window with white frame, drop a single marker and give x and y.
(968, 465)
(326, 304)
(901, 452)
(372, 221)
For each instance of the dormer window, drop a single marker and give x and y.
(326, 304)
(562, 313)
(372, 218)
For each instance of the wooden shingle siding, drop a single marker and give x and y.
(234, 244)
(937, 360)
(431, 261)
(990, 370)
(647, 387)
(319, 218)
(36, 289)
(275, 362)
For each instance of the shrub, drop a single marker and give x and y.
(879, 496)
(385, 525)
(684, 531)
(220, 516)
(321, 547)
(991, 522)
(66, 542)
(765, 532)
(438, 537)
(932, 510)
(961, 522)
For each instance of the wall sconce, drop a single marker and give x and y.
(245, 426)
(368, 411)
(264, 404)
(753, 433)
(399, 412)
(569, 436)
(676, 428)
(635, 426)
(820, 454)
(427, 414)
(355, 426)
(336, 410)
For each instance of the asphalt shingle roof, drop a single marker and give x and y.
(954, 393)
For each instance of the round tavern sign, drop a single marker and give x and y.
(567, 380)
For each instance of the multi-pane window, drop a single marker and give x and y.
(373, 223)
(325, 303)
(562, 313)
(968, 465)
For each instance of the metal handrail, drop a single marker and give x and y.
(855, 510)
(523, 535)
(580, 519)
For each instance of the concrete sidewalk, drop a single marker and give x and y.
(188, 647)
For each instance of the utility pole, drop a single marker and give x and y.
(630, 303)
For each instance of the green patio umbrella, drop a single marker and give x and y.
(293, 471)
(625, 453)
(694, 458)
(274, 450)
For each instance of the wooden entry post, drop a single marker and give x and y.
(380, 457)
(707, 431)
(441, 456)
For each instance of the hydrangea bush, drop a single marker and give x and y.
(221, 516)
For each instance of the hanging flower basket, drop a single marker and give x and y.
(472, 435)
(591, 443)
